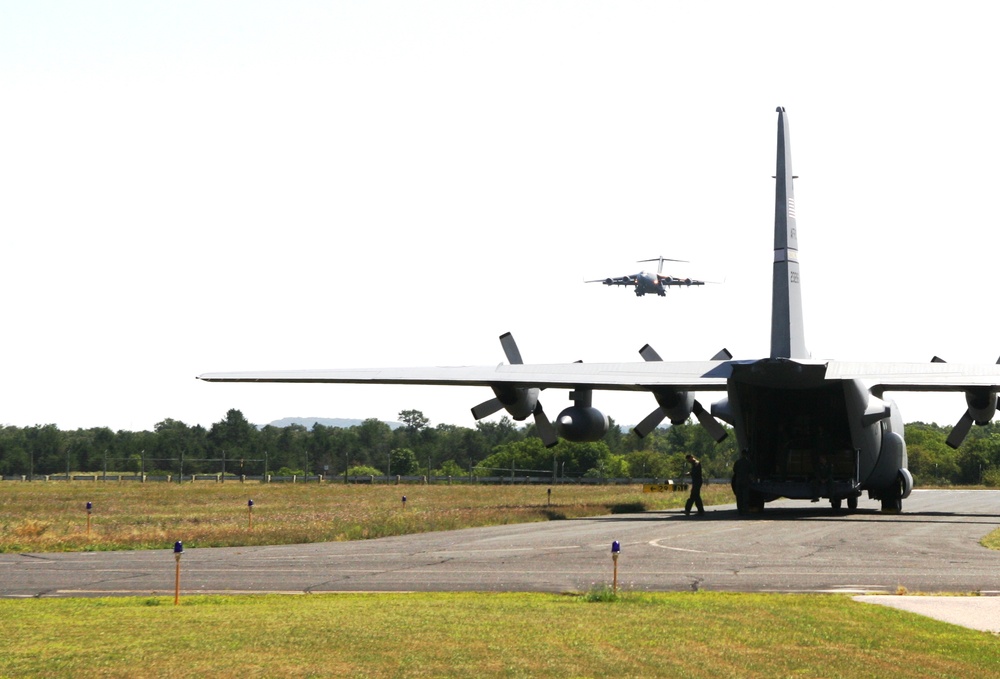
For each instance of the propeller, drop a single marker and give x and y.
(711, 425)
(668, 399)
(982, 403)
(960, 430)
(519, 402)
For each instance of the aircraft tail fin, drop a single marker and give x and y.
(661, 259)
(787, 332)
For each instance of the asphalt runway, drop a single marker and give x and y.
(933, 546)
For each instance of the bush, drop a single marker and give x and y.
(363, 470)
(991, 477)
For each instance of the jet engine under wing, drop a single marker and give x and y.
(673, 280)
(688, 375)
(617, 280)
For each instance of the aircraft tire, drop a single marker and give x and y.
(892, 500)
(892, 505)
(852, 503)
(835, 503)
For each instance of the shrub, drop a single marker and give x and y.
(363, 470)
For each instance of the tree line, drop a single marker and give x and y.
(496, 448)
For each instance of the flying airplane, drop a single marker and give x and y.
(647, 282)
(810, 428)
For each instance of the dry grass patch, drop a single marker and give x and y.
(45, 517)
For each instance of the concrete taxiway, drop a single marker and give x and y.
(933, 546)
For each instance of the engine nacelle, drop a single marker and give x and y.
(676, 404)
(517, 401)
(582, 423)
(982, 405)
(723, 410)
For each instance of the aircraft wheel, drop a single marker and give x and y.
(852, 503)
(835, 503)
(892, 505)
(892, 501)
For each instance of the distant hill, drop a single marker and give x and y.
(308, 422)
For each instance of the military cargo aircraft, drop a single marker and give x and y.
(810, 428)
(648, 282)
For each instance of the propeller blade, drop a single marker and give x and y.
(651, 422)
(545, 430)
(510, 349)
(711, 425)
(722, 355)
(960, 430)
(487, 408)
(648, 353)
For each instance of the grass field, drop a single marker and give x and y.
(596, 634)
(47, 517)
(475, 635)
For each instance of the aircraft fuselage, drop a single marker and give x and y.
(808, 437)
(648, 283)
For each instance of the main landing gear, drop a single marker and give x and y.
(836, 503)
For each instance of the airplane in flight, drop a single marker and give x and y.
(810, 428)
(648, 282)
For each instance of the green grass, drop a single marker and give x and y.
(478, 635)
(991, 540)
(49, 517)
(594, 634)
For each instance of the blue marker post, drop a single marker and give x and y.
(250, 514)
(178, 550)
(615, 549)
(90, 508)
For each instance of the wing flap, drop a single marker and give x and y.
(917, 376)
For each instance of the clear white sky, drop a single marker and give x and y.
(191, 187)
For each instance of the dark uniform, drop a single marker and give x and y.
(695, 498)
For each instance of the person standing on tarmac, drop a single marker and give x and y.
(695, 498)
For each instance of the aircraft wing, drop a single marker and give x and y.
(673, 280)
(645, 376)
(619, 280)
(918, 376)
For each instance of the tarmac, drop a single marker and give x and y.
(975, 612)
(934, 546)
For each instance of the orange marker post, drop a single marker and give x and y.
(178, 550)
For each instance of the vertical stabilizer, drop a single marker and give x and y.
(787, 333)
